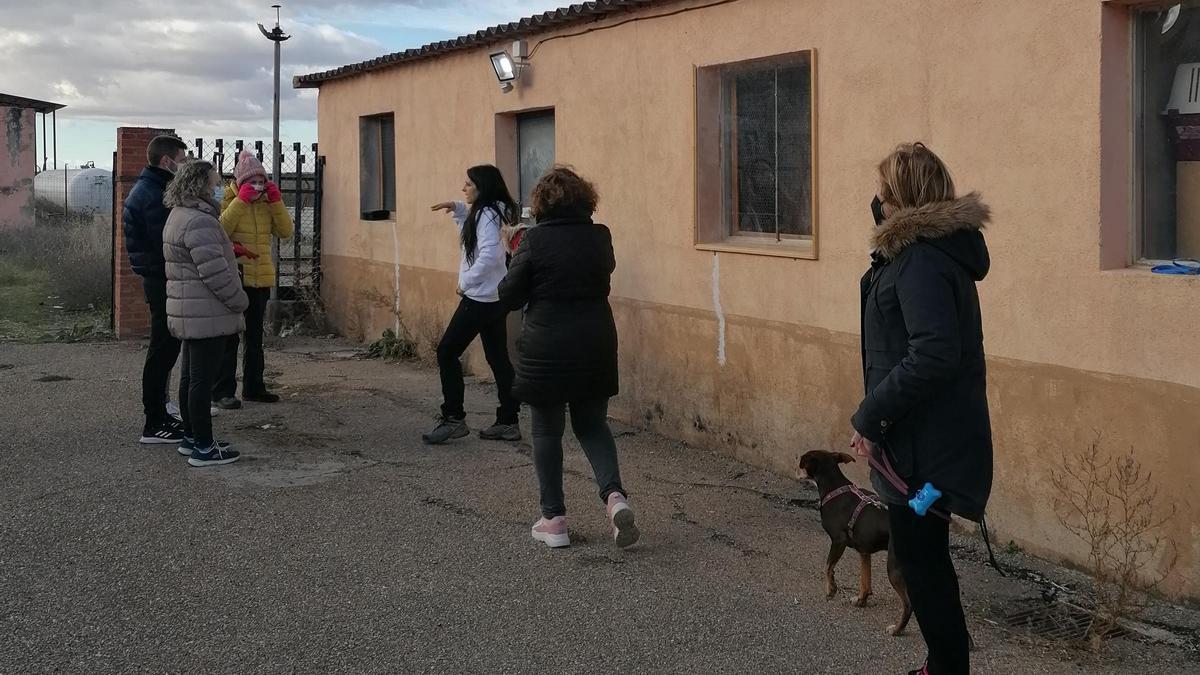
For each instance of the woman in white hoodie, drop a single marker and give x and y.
(487, 206)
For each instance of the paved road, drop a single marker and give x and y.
(340, 543)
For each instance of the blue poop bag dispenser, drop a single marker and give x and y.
(925, 498)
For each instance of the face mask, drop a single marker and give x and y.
(877, 210)
(218, 194)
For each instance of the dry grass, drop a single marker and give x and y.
(74, 256)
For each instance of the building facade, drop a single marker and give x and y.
(18, 158)
(734, 145)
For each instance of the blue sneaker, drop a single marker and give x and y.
(187, 445)
(213, 456)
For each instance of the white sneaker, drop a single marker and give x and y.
(552, 532)
(625, 531)
(173, 410)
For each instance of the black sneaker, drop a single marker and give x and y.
(228, 403)
(446, 429)
(265, 397)
(161, 433)
(501, 432)
(213, 456)
(187, 445)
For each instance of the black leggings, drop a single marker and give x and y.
(589, 421)
(923, 549)
(201, 365)
(487, 320)
(253, 362)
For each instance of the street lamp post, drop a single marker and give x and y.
(275, 35)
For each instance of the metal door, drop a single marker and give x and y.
(535, 150)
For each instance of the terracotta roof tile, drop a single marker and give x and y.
(564, 16)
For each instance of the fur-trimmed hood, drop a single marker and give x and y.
(953, 226)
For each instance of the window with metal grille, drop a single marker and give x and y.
(755, 154)
(767, 157)
(377, 163)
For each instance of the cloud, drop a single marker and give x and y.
(203, 67)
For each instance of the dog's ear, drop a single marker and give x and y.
(805, 462)
(844, 458)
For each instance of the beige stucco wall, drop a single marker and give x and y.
(1007, 92)
(17, 164)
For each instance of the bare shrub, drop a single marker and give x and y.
(1111, 505)
(308, 315)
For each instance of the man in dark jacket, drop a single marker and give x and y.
(144, 218)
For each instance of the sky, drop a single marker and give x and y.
(202, 67)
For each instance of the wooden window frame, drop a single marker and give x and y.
(714, 227)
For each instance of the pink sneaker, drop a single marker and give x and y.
(553, 532)
(625, 532)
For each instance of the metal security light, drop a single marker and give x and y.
(508, 67)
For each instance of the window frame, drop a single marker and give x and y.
(715, 227)
(374, 124)
(1138, 11)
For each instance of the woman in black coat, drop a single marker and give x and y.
(924, 418)
(568, 347)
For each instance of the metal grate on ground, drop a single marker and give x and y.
(1054, 621)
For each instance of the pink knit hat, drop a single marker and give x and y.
(247, 167)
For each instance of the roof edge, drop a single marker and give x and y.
(12, 101)
(556, 18)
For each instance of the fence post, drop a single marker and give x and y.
(299, 217)
(117, 221)
(220, 157)
(258, 151)
(318, 194)
(131, 317)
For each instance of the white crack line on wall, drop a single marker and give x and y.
(716, 291)
(396, 257)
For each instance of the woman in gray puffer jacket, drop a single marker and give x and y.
(205, 302)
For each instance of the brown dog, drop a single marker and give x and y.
(853, 518)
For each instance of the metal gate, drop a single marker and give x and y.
(298, 266)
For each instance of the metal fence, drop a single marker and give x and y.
(73, 194)
(298, 266)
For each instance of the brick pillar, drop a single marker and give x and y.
(131, 316)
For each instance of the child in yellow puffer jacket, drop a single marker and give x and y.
(252, 212)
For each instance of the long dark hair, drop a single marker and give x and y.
(493, 194)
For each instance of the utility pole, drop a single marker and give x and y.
(275, 35)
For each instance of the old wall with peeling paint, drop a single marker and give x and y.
(759, 355)
(17, 165)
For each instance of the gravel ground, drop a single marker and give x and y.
(341, 544)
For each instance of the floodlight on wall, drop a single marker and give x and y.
(508, 66)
